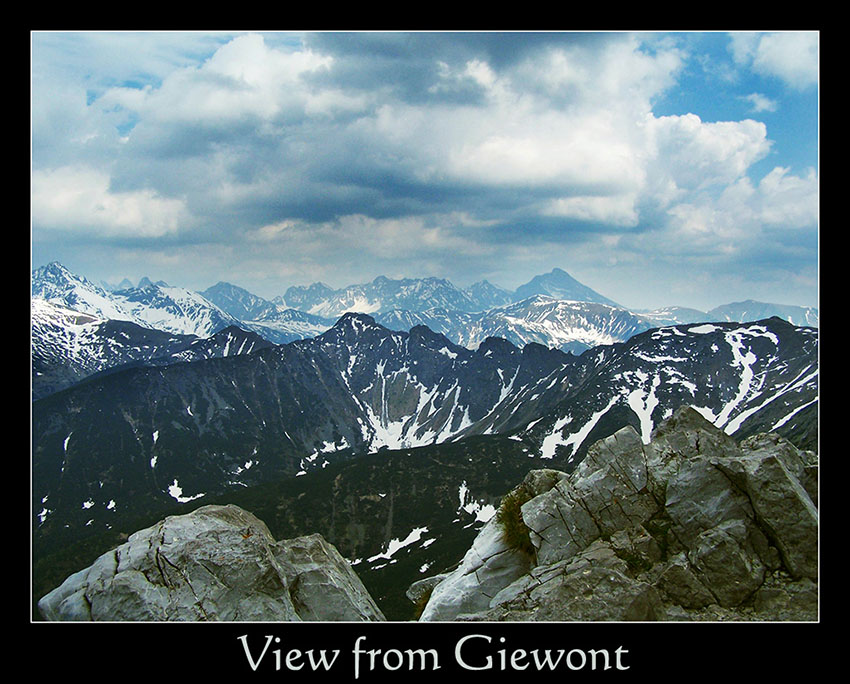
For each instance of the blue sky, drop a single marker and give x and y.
(659, 169)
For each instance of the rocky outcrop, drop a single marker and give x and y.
(691, 526)
(218, 563)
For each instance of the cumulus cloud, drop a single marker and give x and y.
(744, 217)
(789, 56)
(613, 210)
(695, 154)
(432, 150)
(788, 201)
(244, 77)
(78, 200)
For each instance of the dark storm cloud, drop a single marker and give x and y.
(407, 65)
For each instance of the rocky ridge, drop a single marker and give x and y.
(218, 563)
(691, 526)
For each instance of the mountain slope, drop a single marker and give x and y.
(486, 295)
(750, 310)
(238, 302)
(68, 346)
(150, 437)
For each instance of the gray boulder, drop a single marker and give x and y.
(322, 585)
(491, 564)
(218, 563)
(691, 526)
(594, 585)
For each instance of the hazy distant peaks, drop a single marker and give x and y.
(560, 285)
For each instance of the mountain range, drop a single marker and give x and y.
(68, 347)
(381, 414)
(552, 309)
(183, 431)
(383, 295)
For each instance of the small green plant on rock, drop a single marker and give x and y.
(509, 516)
(421, 602)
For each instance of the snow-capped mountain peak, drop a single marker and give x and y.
(156, 306)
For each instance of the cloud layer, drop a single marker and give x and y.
(269, 160)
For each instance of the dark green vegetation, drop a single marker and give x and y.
(514, 530)
(358, 505)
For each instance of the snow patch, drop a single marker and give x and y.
(575, 440)
(447, 352)
(554, 439)
(395, 544)
(784, 420)
(643, 404)
(744, 359)
(482, 512)
(176, 493)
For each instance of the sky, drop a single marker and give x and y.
(659, 169)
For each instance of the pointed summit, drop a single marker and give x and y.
(352, 323)
(560, 285)
(356, 319)
(54, 273)
(146, 283)
(54, 282)
(486, 295)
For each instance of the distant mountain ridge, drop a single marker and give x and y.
(559, 284)
(238, 302)
(750, 310)
(68, 347)
(384, 294)
(566, 325)
(63, 355)
(443, 306)
(276, 322)
(170, 309)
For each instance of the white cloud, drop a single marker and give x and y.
(612, 210)
(306, 160)
(243, 78)
(569, 118)
(79, 200)
(761, 103)
(693, 155)
(744, 214)
(575, 122)
(790, 56)
(789, 201)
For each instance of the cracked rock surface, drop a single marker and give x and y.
(691, 526)
(218, 563)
